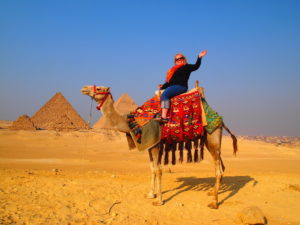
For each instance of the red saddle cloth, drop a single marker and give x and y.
(185, 120)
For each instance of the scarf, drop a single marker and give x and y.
(171, 71)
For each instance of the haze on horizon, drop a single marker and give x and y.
(251, 73)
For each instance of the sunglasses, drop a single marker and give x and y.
(181, 58)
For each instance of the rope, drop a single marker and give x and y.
(90, 115)
(85, 142)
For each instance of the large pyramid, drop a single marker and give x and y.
(58, 114)
(123, 105)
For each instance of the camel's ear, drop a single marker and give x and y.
(108, 88)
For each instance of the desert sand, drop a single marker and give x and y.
(90, 177)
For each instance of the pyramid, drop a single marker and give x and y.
(123, 105)
(23, 123)
(58, 114)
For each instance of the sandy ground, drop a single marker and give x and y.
(92, 178)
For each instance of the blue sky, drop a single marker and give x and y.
(251, 73)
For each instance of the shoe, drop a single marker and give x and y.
(162, 120)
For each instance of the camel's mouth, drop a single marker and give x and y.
(85, 91)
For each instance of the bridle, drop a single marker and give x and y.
(106, 94)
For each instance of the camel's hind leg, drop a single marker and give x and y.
(156, 173)
(213, 144)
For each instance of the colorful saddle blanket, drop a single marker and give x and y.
(185, 121)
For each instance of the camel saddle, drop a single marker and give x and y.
(186, 118)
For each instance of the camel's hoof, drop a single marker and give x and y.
(158, 203)
(211, 193)
(150, 196)
(213, 205)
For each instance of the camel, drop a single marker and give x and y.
(212, 142)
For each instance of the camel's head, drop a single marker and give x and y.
(96, 92)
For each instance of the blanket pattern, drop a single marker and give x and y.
(143, 115)
(185, 123)
(214, 120)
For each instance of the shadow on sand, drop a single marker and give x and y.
(229, 184)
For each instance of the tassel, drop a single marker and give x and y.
(188, 146)
(202, 153)
(181, 156)
(189, 156)
(196, 144)
(202, 143)
(173, 157)
(181, 145)
(174, 146)
(167, 149)
(180, 151)
(196, 158)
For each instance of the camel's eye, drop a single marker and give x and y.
(98, 89)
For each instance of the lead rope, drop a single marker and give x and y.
(90, 115)
(83, 155)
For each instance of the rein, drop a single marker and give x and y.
(106, 94)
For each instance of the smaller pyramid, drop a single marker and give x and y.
(23, 123)
(123, 105)
(58, 114)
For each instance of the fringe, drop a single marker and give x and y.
(161, 151)
(167, 149)
(174, 148)
(180, 151)
(196, 144)
(202, 143)
(188, 147)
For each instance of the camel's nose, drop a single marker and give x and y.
(84, 91)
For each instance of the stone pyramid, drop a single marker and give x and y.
(58, 114)
(23, 123)
(123, 105)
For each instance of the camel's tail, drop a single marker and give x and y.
(235, 147)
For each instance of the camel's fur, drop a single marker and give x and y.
(119, 122)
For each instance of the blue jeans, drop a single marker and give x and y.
(169, 93)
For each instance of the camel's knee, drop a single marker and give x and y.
(214, 146)
(158, 172)
(219, 171)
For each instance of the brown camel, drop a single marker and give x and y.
(119, 122)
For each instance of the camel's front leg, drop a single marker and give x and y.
(152, 194)
(157, 173)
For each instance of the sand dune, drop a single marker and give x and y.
(90, 177)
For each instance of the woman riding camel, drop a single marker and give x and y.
(177, 81)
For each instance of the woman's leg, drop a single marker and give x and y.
(167, 95)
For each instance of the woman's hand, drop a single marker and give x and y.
(203, 53)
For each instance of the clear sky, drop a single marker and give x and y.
(251, 73)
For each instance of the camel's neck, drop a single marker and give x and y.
(117, 121)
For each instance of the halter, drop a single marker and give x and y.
(106, 94)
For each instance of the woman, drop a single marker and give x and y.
(177, 81)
